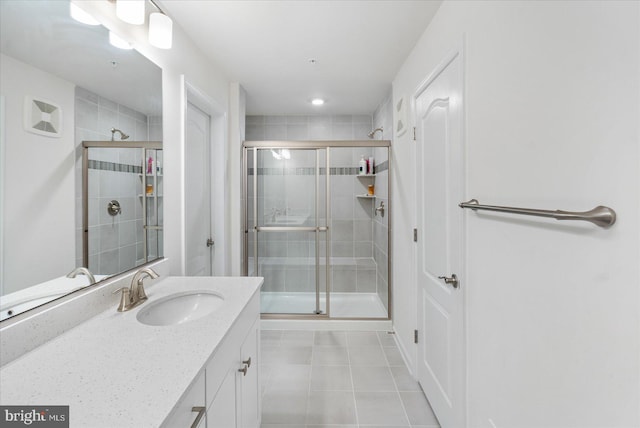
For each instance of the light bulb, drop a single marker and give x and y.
(160, 30)
(317, 101)
(130, 11)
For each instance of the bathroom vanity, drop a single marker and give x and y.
(165, 363)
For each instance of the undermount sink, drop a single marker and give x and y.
(180, 308)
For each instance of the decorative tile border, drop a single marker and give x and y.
(116, 167)
(382, 167)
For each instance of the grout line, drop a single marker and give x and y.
(353, 385)
(306, 411)
(406, 414)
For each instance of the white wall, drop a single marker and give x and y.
(552, 112)
(237, 109)
(184, 59)
(38, 219)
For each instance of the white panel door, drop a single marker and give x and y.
(440, 175)
(197, 193)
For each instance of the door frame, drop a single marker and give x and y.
(458, 51)
(218, 132)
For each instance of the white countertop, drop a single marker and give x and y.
(114, 371)
(30, 297)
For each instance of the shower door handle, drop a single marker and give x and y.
(210, 242)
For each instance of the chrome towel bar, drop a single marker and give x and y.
(600, 216)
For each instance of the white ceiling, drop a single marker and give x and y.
(266, 46)
(42, 33)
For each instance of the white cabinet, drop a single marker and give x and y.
(190, 406)
(229, 385)
(222, 410)
(249, 408)
(236, 402)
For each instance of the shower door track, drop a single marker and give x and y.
(317, 146)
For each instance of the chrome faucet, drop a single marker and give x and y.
(135, 295)
(83, 271)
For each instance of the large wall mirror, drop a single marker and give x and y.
(64, 89)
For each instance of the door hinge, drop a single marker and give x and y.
(210, 242)
(415, 235)
(415, 336)
(414, 133)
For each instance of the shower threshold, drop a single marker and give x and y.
(343, 305)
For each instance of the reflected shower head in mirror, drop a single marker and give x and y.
(372, 133)
(123, 136)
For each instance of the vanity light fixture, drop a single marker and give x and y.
(81, 16)
(131, 11)
(317, 101)
(160, 25)
(160, 30)
(118, 41)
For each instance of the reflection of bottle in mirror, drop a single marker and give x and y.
(150, 165)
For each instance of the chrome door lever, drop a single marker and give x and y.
(452, 281)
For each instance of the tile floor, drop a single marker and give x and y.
(338, 379)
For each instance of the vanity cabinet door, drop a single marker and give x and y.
(222, 410)
(183, 414)
(250, 390)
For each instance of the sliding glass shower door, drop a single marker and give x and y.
(287, 233)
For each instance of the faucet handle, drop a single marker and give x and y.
(125, 299)
(142, 296)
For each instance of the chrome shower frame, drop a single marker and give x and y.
(86, 145)
(254, 146)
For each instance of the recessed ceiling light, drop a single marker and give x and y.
(317, 101)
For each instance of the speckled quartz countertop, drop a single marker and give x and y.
(114, 371)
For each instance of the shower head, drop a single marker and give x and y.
(123, 136)
(372, 133)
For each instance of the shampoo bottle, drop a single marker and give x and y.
(371, 171)
(363, 166)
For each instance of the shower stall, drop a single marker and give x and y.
(122, 204)
(317, 229)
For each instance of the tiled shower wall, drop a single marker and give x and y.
(382, 118)
(352, 238)
(115, 243)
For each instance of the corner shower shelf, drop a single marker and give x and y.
(366, 196)
(151, 196)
